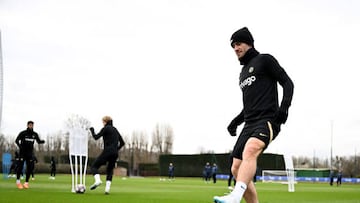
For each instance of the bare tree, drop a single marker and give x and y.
(302, 162)
(10, 144)
(66, 141)
(142, 147)
(157, 139)
(169, 139)
(347, 166)
(49, 144)
(77, 121)
(144, 141)
(162, 139)
(3, 142)
(94, 146)
(40, 147)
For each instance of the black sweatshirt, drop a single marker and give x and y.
(25, 141)
(258, 82)
(111, 136)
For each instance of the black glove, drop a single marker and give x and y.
(92, 130)
(235, 123)
(280, 116)
(232, 129)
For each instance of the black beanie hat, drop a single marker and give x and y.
(242, 35)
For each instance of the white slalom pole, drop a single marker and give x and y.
(85, 165)
(76, 170)
(72, 174)
(81, 170)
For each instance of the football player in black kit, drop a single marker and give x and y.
(113, 142)
(262, 114)
(25, 141)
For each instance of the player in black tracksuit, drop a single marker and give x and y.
(14, 164)
(25, 141)
(113, 142)
(32, 167)
(52, 168)
(258, 81)
(261, 112)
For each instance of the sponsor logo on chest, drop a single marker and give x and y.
(249, 80)
(30, 138)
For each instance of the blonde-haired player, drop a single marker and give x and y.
(112, 144)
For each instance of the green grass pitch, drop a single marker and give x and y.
(152, 190)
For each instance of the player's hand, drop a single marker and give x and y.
(92, 130)
(235, 123)
(232, 129)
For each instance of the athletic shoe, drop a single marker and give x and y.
(95, 185)
(225, 199)
(107, 190)
(26, 185)
(19, 186)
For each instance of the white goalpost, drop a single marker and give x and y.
(290, 172)
(78, 155)
(286, 176)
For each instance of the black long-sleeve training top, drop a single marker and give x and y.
(25, 141)
(258, 82)
(112, 138)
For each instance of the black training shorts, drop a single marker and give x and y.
(263, 130)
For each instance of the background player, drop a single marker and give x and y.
(25, 141)
(52, 168)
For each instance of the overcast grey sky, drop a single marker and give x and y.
(169, 61)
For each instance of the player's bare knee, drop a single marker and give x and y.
(234, 168)
(251, 153)
(253, 149)
(234, 171)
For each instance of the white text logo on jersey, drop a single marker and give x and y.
(247, 82)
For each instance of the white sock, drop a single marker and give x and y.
(108, 184)
(97, 178)
(239, 190)
(107, 187)
(17, 181)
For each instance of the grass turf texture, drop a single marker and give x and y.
(152, 190)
